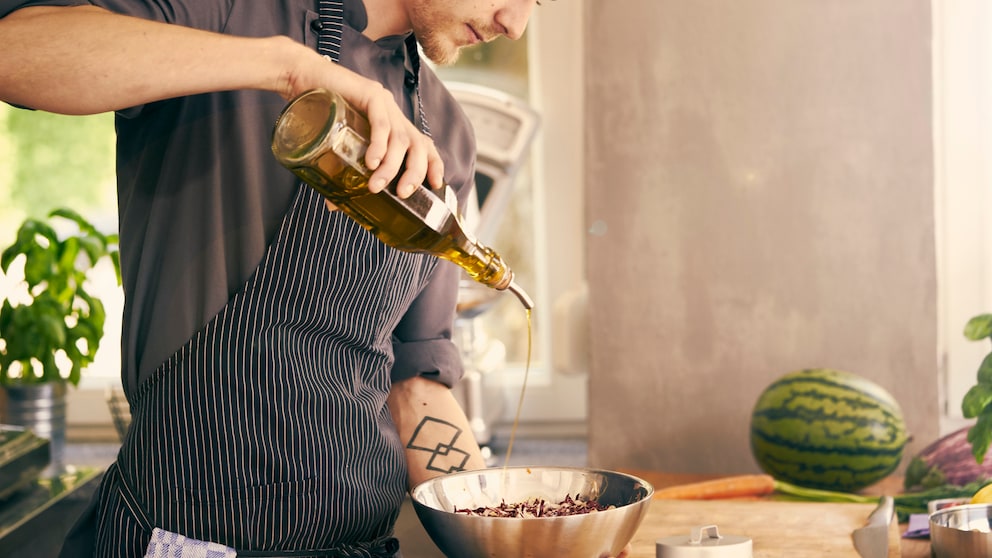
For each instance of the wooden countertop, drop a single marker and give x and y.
(829, 525)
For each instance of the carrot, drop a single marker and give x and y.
(757, 486)
(738, 486)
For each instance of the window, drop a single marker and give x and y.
(546, 236)
(49, 161)
(503, 65)
(962, 61)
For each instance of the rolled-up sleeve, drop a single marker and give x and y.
(8, 6)
(422, 342)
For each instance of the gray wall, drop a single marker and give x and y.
(759, 190)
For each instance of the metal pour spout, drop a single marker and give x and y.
(514, 288)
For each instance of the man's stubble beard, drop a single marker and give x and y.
(438, 51)
(429, 27)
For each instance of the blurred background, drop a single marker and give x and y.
(716, 193)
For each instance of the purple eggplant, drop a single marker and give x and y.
(947, 461)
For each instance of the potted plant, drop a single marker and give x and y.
(51, 332)
(977, 402)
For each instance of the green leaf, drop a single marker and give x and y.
(95, 243)
(979, 327)
(75, 373)
(78, 360)
(5, 362)
(50, 370)
(976, 400)
(9, 255)
(94, 248)
(90, 334)
(38, 266)
(115, 257)
(980, 436)
(70, 251)
(22, 337)
(72, 215)
(48, 303)
(985, 370)
(6, 316)
(31, 229)
(52, 328)
(97, 314)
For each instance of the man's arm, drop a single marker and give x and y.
(100, 61)
(433, 428)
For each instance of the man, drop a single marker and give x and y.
(287, 373)
(261, 332)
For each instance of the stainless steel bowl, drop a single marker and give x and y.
(961, 531)
(591, 535)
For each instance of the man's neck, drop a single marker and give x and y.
(385, 18)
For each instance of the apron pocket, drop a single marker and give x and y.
(243, 516)
(250, 496)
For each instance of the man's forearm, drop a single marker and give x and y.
(100, 61)
(433, 429)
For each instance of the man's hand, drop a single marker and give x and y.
(395, 142)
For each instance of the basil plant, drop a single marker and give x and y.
(58, 320)
(978, 401)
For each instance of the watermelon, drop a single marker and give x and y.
(828, 429)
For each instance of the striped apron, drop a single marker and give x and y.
(268, 431)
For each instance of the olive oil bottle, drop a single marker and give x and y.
(322, 139)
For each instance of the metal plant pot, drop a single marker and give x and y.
(42, 409)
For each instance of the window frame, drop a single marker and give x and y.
(962, 112)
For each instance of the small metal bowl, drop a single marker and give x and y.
(591, 535)
(961, 531)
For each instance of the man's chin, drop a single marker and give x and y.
(442, 56)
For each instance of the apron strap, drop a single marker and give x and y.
(383, 548)
(414, 54)
(331, 16)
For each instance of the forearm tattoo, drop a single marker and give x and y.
(437, 437)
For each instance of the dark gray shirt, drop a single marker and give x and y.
(200, 194)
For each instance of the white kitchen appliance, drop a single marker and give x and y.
(504, 129)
